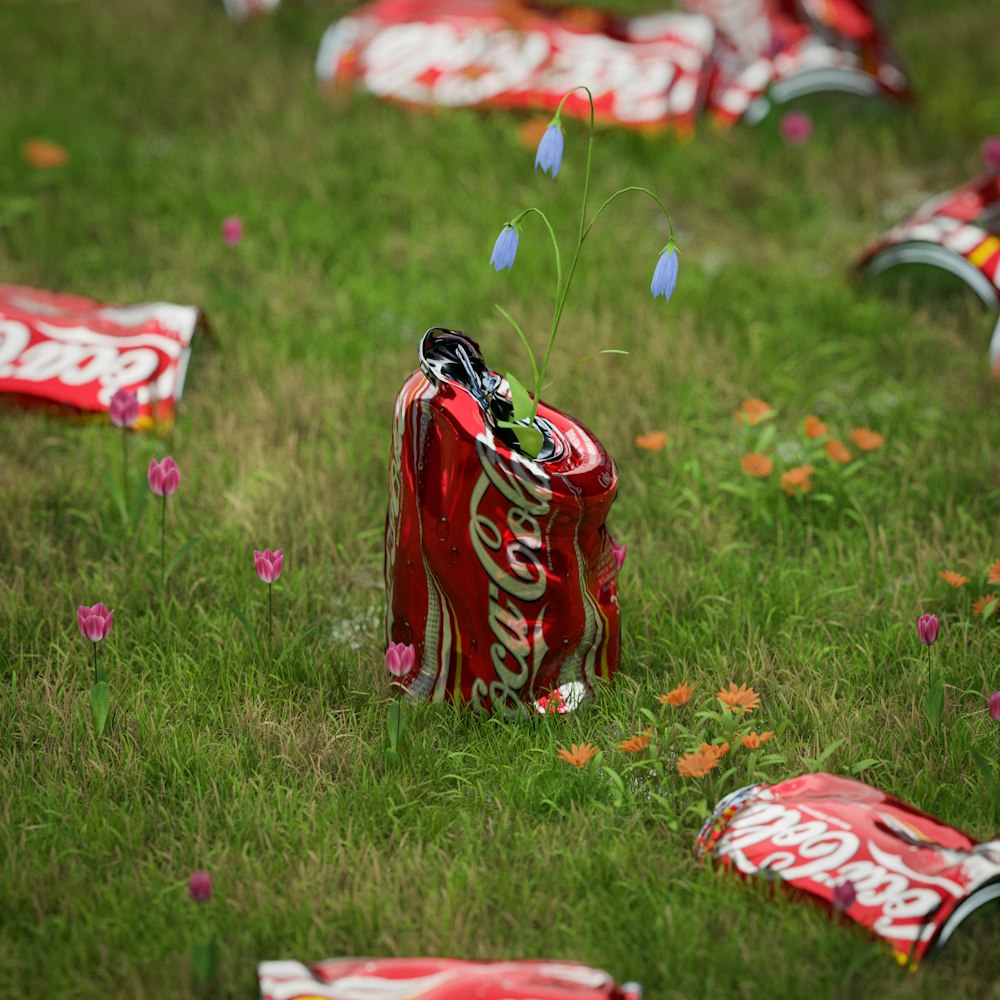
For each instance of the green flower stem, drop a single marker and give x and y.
(125, 468)
(163, 545)
(96, 678)
(270, 608)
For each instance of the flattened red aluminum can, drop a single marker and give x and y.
(904, 875)
(499, 569)
(438, 979)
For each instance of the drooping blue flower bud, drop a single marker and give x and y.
(550, 150)
(505, 248)
(665, 274)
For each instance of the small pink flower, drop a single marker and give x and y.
(400, 658)
(124, 408)
(268, 564)
(164, 477)
(844, 895)
(928, 628)
(796, 128)
(991, 154)
(232, 230)
(95, 622)
(200, 887)
(620, 552)
(995, 705)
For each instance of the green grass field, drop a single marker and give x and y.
(366, 224)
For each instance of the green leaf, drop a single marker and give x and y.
(864, 765)
(520, 398)
(530, 440)
(115, 491)
(395, 724)
(293, 645)
(247, 627)
(985, 768)
(181, 553)
(100, 705)
(392, 758)
(817, 762)
(205, 961)
(990, 608)
(934, 702)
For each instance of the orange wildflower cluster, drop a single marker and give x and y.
(867, 440)
(753, 463)
(635, 744)
(953, 579)
(652, 440)
(838, 451)
(697, 764)
(753, 411)
(579, 755)
(814, 427)
(680, 695)
(43, 154)
(797, 480)
(994, 574)
(739, 699)
(754, 741)
(719, 749)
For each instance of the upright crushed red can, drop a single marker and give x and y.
(904, 875)
(498, 567)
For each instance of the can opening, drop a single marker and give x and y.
(449, 355)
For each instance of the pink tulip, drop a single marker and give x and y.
(400, 658)
(164, 477)
(200, 887)
(95, 622)
(844, 895)
(620, 552)
(991, 154)
(995, 705)
(124, 409)
(232, 230)
(928, 628)
(268, 564)
(796, 128)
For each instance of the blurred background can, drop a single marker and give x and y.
(498, 567)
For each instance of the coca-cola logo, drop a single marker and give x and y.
(76, 356)
(816, 849)
(514, 568)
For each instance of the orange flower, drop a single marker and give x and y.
(697, 764)
(44, 155)
(635, 744)
(753, 463)
(739, 699)
(866, 439)
(797, 480)
(838, 451)
(994, 575)
(579, 755)
(953, 579)
(719, 749)
(978, 607)
(680, 695)
(754, 741)
(814, 427)
(652, 441)
(753, 411)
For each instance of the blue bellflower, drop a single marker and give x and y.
(550, 150)
(505, 248)
(665, 274)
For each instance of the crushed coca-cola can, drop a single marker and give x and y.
(642, 71)
(957, 231)
(902, 874)
(772, 51)
(498, 568)
(72, 353)
(438, 979)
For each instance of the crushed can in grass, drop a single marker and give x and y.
(905, 876)
(71, 354)
(499, 568)
(438, 979)
(957, 231)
